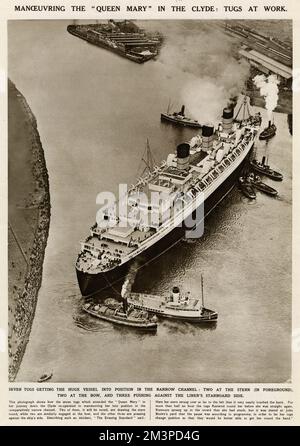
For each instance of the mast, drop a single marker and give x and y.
(267, 151)
(124, 296)
(148, 159)
(244, 109)
(125, 304)
(248, 107)
(202, 294)
(169, 104)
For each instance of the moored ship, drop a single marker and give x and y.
(124, 38)
(198, 176)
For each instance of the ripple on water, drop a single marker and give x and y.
(244, 254)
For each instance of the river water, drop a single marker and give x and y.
(94, 112)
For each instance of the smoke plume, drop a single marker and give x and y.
(129, 280)
(209, 58)
(268, 87)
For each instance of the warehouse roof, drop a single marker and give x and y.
(270, 64)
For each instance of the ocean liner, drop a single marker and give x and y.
(200, 174)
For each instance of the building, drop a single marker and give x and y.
(268, 65)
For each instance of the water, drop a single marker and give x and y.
(94, 112)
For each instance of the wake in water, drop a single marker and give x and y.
(126, 289)
(87, 327)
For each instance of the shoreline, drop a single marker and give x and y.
(29, 221)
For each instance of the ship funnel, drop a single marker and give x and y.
(175, 294)
(227, 119)
(263, 160)
(183, 156)
(182, 111)
(207, 137)
(269, 125)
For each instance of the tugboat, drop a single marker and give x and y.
(174, 306)
(264, 169)
(263, 187)
(179, 118)
(121, 314)
(45, 377)
(247, 187)
(268, 132)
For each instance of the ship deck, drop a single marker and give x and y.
(139, 224)
(108, 247)
(162, 304)
(179, 119)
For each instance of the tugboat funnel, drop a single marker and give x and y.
(269, 124)
(182, 110)
(263, 160)
(175, 294)
(125, 305)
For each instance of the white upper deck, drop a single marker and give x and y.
(156, 203)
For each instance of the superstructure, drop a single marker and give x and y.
(200, 173)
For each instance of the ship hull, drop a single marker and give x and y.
(276, 176)
(268, 133)
(269, 136)
(182, 315)
(124, 321)
(192, 319)
(133, 57)
(91, 284)
(180, 122)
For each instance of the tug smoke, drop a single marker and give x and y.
(268, 87)
(207, 62)
(213, 72)
(129, 281)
